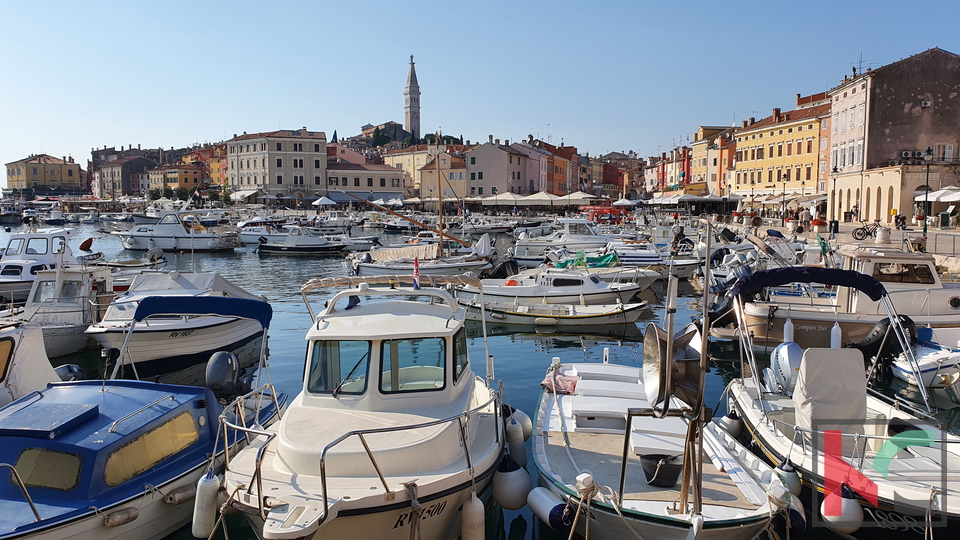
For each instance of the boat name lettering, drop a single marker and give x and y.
(812, 327)
(428, 512)
(894, 521)
(181, 333)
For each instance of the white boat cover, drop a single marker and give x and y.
(831, 392)
(29, 370)
(421, 251)
(188, 281)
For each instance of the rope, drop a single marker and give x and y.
(615, 503)
(586, 493)
(415, 510)
(220, 520)
(928, 517)
(783, 509)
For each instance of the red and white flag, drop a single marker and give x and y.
(416, 273)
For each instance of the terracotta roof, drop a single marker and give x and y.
(286, 133)
(44, 159)
(788, 116)
(121, 161)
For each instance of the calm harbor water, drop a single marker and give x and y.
(521, 359)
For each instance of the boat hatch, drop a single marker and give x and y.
(45, 421)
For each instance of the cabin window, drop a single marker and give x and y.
(45, 291)
(412, 365)
(595, 279)
(460, 358)
(58, 243)
(42, 468)
(70, 292)
(170, 219)
(37, 268)
(11, 270)
(903, 273)
(151, 448)
(14, 247)
(6, 353)
(37, 246)
(567, 282)
(339, 363)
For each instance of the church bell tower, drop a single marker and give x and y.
(411, 97)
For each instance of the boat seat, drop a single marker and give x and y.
(604, 406)
(592, 387)
(608, 372)
(831, 393)
(666, 439)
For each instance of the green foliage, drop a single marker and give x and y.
(154, 194)
(182, 193)
(168, 193)
(334, 138)
(380, 139)
(225, 197)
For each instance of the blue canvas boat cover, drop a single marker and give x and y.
(257, 310)
(802, 274)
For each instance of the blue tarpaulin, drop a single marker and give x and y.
(257, 310)
(827, 276)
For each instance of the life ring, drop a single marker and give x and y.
(511, 283)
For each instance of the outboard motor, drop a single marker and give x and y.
(69, 372)
(222, 372)
(505, 269)
(870, 345)
(153, 254)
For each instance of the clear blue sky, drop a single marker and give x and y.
(603, 76)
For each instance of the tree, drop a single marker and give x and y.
(182, 194)
(168, 193)
(380, 139)
(154, 194)
(334, 138)
(226, 197)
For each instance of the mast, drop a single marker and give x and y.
(439, 188)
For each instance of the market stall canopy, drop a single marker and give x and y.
(323, 201)
(502, 199)
(541, 198)
(395, 202)
(241, 194)
(938, 195)
(413, 200)
(624, 202)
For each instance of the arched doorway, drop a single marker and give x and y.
(838, 213)
(890, 204)
(865, 211)
(849, 206)
(879, 215)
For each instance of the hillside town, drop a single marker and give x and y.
(860, 150)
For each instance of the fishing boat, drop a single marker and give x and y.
(862, 460)
(392, 432)
(122, 458)
(429, 258)
(574, 234)
(552, 286)
(179, 231)
(157, 342)
(300, 241)
(29, 252)
(554, 314)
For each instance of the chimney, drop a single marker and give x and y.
(798, 100)
(743, 124)
(506, 142)
(65, 159)
(752, 120)
(530, 139)
(490, 139)
(776, 114)
(497, 142)
(468, 142)
(138, 146)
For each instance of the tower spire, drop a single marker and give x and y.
(411, 97)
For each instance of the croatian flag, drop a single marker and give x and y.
(416, 273)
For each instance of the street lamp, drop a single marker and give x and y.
(928, 157)
(783, 204)
(833, 203)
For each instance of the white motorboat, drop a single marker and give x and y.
(179, 231)
(401, 260)
(937, 351)
(863, 461)
(554, 314)
(485, 226)
(28, 253)
(391, 434)
(63, 302)
(574, 234)
(252, 234)
(167, 343)
(910, 279)
(552, 286)
(301, 241)
(648, 256)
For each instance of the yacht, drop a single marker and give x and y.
(179, 231)
(28, 253)
(551, 286)
(391, 433)
(574, 234)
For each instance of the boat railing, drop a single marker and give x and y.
(360, 434)
(113, 427)
(23, 489)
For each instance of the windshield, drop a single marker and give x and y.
(339, 366)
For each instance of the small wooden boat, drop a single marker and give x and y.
(555, 314)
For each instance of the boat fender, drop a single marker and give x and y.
(545, 321)
(205, 505)
(788, 475)
(472, 520)
(511, 484)
(788, 330)
(850, 516)
(520, 416)
(515, 441)
(131, 241)
(836, 336)
(730, 423)
(549, 508)
(121, 516)
(511, 283)
(181, 495)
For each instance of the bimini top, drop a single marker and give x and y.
(223, 306)
(827, 276)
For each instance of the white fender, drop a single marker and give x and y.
(851, 514)
(515, 441)
(836, 336)
(205, 505)
(472, 520)
(121, 516)
(549, 508)
(511, 484)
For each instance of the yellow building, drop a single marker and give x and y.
(779, 154)
(702, 168)
(44, 171)
(454, 182)
(183, 175)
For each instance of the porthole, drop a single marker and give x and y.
(954, 302)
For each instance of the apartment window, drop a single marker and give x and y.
(263, 162)
(394, 182)
(278, 147)
(298, 179)
(836, 121)
(463, 175)
(263, 147)
(770, 175)
(809, 146)
(298, 164)
(383, 182)
(480, 190)
(356, 182)
(493, 190)
(823, 144)
(833, 157)
(279, 179)
(823, 166)
(316, 147)
(789, 148)
(850, 151)
(453, 176)
(480, 175)
(369, 182)
(473, 176)
(780, 150)
(298, 147)
(34, 171)
(809, 172)
(279, 162)
(759, 156)
(753, 153)
(316, 164)
(316, 180)
(70, 172)
(941, 152)
(333, 181)
(862, 115)
(473, 190)
(473, 161)
(843, 121)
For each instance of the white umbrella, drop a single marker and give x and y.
(323, 201)
(379, 202)
(394, 202)
(624, 202)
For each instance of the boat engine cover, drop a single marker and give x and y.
(222, 371)
(785, 362)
